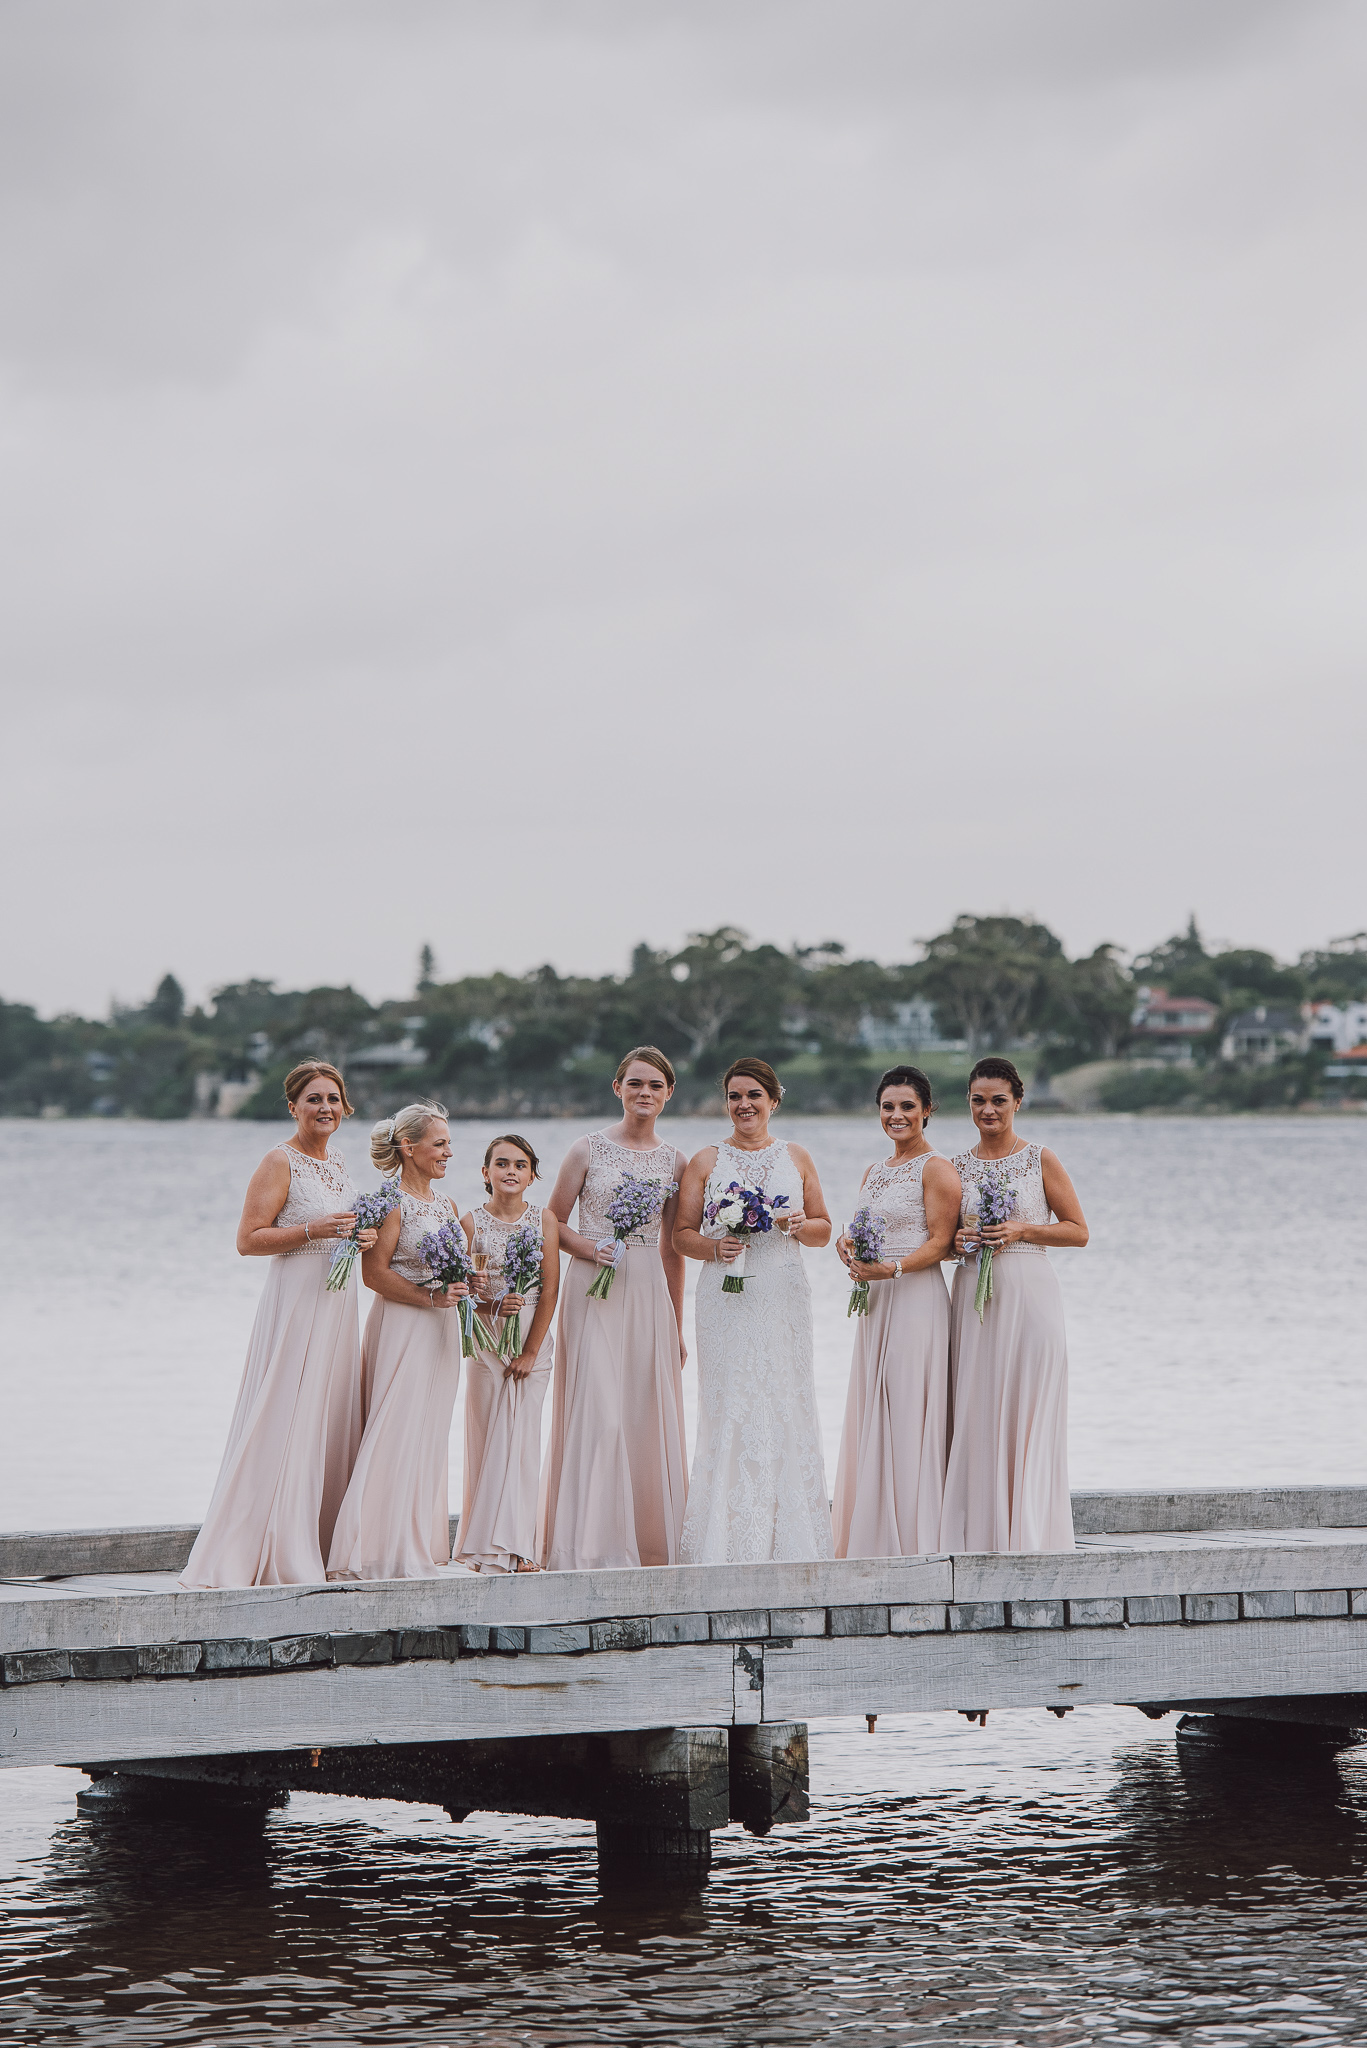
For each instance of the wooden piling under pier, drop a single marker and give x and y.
(500, 1691)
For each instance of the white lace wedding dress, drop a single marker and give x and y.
(758, 1486)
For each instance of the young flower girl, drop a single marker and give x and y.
(505, 1388)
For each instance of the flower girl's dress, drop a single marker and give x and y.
(503, 1435)
(889, 1481)
(293, 1437)
(758, 1488)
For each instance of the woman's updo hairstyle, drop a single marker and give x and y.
(908, 1077)
(298, 1078)
(509, 1138)
(407, 1124)
(755, 1070)
(995, 1069)
(652, 1057)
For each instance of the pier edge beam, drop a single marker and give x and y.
(126, 1795)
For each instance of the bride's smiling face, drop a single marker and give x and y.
(749, 1105)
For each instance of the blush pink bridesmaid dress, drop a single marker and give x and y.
(297, 1424)
(890, 1477)
(395, 1522)
(502, 1436)
(1006, 1486)
(616, 1479)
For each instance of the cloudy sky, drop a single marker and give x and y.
(533, 477)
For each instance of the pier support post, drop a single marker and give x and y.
(769, 1774)
(663, 1791)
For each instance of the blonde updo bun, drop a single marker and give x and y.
(406, 1125)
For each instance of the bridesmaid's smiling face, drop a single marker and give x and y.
(318, 1110)
(902, 1114)
(428, 1155)
(509, 1172)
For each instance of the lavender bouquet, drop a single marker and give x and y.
(742, 1212)
(446, 1256)
(996, 1204)
(522, 1270)
(370, 1211)
(867, 1234)
(634, 1206)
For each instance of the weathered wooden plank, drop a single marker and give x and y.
(1120, 1512)
(1099, 1573)
(36, 1553)
(992, 1668)
(395, 1703)
(89, 1614)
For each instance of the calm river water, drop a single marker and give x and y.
(1038, 1882)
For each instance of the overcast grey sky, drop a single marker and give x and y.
(533, 477)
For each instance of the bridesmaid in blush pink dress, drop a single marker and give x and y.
(1006, 1487)
(504, 1396)
(890, 1477)
(616, 1477)
(395, 1522)
(294, 1433)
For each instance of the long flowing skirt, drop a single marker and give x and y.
(1006, 1486)
(502, 1460)
(616, 1478)
(293, 1437)
(758, 1489)
(395, 1522)
(890, 1477)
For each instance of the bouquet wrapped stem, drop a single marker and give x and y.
(370, 1212)
(635, 1204)
(867, 1234)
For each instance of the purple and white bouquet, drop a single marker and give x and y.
(868, 1233)
(370, 1211)
(447, 1258)
(742, 1212)
(635, 1205)
(522, 1257)
(996, 1204)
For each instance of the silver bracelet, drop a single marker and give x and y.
(307, 1238)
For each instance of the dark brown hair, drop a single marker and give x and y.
(908, 1077)
(652, 1056)
(509, 1138)
(754, 1070)
(995, 1069)
(298, 1078)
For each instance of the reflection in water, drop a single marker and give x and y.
(1033, 1882)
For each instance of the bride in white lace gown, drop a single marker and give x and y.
(758, 1486)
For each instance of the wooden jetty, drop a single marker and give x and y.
(665, 1703)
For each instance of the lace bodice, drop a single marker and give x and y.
(318, 1187)
(607, 1163)
(416, 1219)
(495, 1232)
(774, 1172)
(893, 1191)
(1025, 1177)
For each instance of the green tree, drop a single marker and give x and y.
(1088, 1009)
(167, 1006)
(989, 977)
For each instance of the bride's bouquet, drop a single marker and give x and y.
(867, 1235)
(370, 1211)
(996, 1204)
(634, 1207)
(522, 1257)
(742, 1212)
(447, 1258)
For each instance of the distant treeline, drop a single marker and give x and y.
(546, 1043)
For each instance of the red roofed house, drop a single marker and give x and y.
(1166, 1025)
